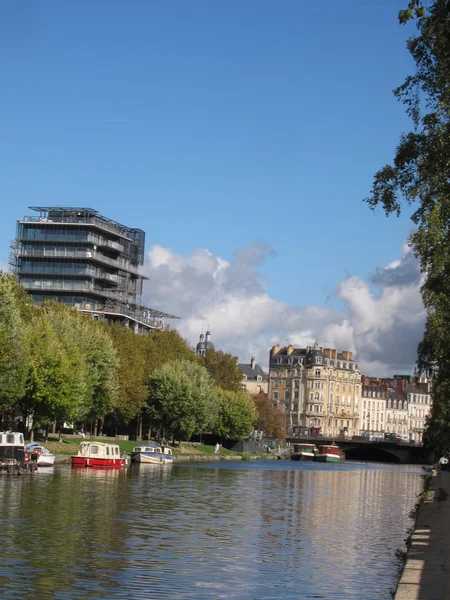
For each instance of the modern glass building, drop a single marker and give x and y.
(85, 260)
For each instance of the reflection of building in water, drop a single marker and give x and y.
(318, 388)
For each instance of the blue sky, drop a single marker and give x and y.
(210, 124)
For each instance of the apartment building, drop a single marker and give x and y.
(319, 389)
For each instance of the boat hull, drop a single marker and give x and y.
(147, 459)
(46, 461)
(97, 463)
(329, 458)
(300, 456)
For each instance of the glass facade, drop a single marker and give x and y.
(77, 250)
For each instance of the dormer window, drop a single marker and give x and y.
(244, 377)
(318, 360)
(259, 378)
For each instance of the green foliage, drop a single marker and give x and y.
(419, 175)
(132, 374)
(224, 369)
(182, 399)
(14, 345)
(414, 10)
(268, 418)
(236, 415)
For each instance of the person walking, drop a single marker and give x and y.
(443, 462)
(217, 448)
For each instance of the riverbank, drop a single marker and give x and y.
(64, 459)
(426, 573)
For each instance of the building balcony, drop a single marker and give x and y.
(75, 286)
(118, 263)
(80, 221)
(37, 271)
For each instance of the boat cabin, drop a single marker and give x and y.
(150, 449)
(99, 450)
(11, 438)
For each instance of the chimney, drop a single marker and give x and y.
(347, 355)
(290, 349)
(327, 352)
(276, 349)
(252, 362)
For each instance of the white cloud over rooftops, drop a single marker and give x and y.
(383, 328)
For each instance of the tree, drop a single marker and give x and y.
(236, 415)
(268, 418)
(224, 369)
(419, 175)
(182, 400)
(132, 376)
(51, 378)
(14, 344)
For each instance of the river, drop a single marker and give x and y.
(227, 530)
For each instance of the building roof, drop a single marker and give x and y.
(252, 374)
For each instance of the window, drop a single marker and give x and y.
(296, 395)
(317, 372)
(275, 383)
(275, 395)
(318, 360)
(259, 378)
(286, 395)
(244, 378)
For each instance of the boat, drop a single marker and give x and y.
(44, 458)
(152, 453)
(304, 452)
(14, 459)
(167, 454)
(98, 455)
(330, 453)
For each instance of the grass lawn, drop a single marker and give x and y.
(69, 446)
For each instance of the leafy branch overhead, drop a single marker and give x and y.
(419, 176)
(415, 9)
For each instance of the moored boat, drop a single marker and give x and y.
(14, 459)
(330, 453)
(44, 458)
(167, 455)
(152, 454)
(98, 455)
(304, 452)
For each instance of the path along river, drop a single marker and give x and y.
(251, 530)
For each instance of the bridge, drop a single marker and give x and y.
(373, 451)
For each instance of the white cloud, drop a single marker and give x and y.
(231, 298)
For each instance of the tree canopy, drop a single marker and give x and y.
(224, 369)
(182, 400)
(419, 176)
(236, 415)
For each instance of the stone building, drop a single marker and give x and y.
(254, 379)
(405, 403)
(318, 388)
(419, 406)
(373, 411)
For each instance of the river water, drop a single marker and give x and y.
(229, 530)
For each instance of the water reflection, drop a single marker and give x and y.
(228, 530)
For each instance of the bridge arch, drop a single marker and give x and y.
(371, 453)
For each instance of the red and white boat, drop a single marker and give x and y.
(99, 455)
(330, 453)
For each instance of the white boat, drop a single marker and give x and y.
(44, 457)
(167, 453)
(152, 453)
